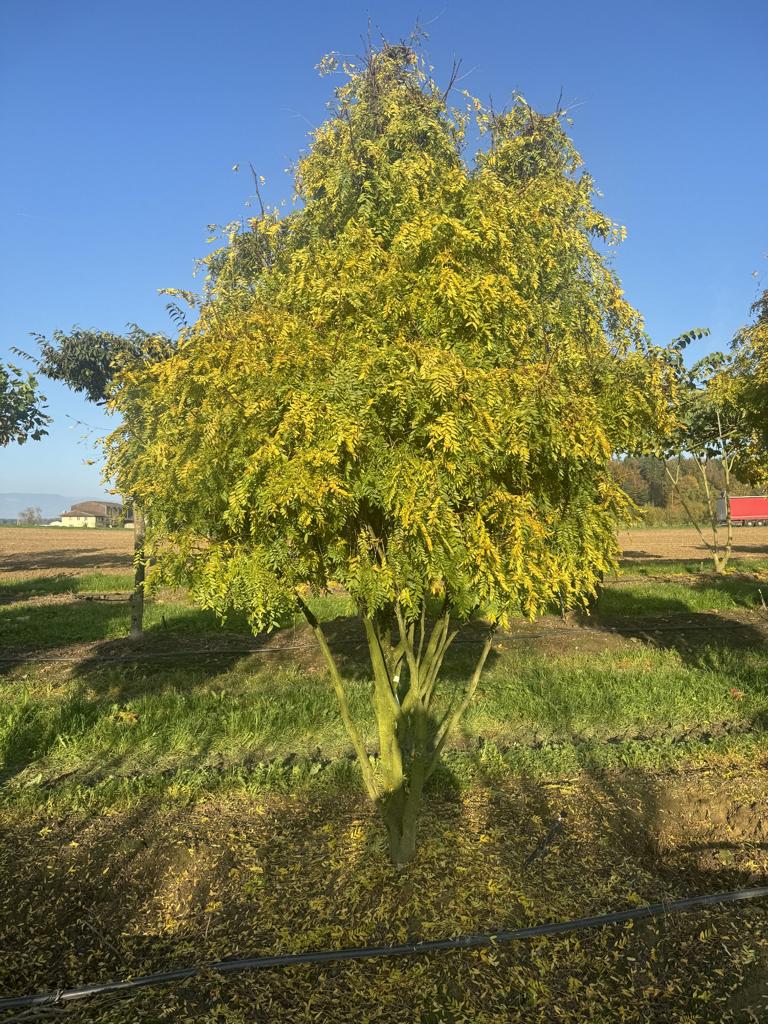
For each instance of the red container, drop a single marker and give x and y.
(749, 510)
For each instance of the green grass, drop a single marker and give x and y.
(65, 583)
(48, 625)
(118, 722)
(709, 594)
(120, 727)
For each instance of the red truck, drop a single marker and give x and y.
(747, 511)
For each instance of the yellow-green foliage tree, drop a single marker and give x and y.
(410, 387)
(750, 372)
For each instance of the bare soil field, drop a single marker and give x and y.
(681, 544)
(49, 551)
(29, 551)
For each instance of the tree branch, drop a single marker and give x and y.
(452, 720)
(685, 506)
(369, 778)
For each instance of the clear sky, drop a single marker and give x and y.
(120, 123)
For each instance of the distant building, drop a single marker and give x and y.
(92, 514)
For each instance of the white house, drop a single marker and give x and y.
(92, 514)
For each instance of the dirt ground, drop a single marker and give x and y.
(49, 551)
(672, 544)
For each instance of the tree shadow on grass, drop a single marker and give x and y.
(27, 629)
(668, 623)
(661, 600)
(66, 558)
(30, 627)
(61, 583)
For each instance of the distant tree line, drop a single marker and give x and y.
(646, 481)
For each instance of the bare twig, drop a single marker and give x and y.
(258, 189)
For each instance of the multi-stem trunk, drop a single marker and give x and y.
(411, 731)
(720, 555)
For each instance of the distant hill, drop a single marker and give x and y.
(51, 505)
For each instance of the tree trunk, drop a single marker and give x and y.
(402, 840)
(139, 567)
(411, 735)
(726, 494)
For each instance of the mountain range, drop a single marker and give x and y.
(51, 505)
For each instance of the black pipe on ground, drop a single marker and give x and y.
(373, 952)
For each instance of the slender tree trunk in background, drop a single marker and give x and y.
(719, 558)
(139, 568)
(727, 489)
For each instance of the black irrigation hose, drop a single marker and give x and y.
(373, 952)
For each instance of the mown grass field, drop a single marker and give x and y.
(193, 797)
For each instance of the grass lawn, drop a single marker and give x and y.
(166, 810)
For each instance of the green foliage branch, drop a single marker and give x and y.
(749, 354)
(21, 407)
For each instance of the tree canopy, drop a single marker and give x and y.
(21, 407)
(410, 387)
(87, 360)
(750, 357)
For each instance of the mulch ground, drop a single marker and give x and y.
(152, 888)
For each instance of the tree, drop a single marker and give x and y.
(713, 433)
(749, 351)
(21, 408)
(87, 361)
(32, 516)
(412, 392)
(628, 476)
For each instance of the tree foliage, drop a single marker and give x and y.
(711, 428)
(411, 388)
(722, 407)
(87, 360)
(749, 352)
(21, 407)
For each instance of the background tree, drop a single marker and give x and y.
(412, 391)
(648, 481)
(21, 407)
(627, 475)
(32, 516)
(87, 361)
(749, 352)
(712, 430)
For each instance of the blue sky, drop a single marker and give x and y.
(120, 124)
